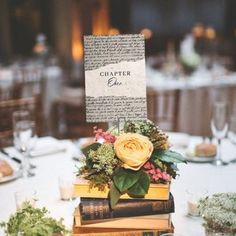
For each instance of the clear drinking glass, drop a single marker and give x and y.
(24, 132)
(219, 127)
(232, 129)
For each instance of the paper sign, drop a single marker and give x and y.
(115, 83)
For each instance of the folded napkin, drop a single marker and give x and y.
(180, 140)
(47, 146)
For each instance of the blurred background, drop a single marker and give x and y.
(190, 58)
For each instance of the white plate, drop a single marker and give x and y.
(17, 171)
(192, 158)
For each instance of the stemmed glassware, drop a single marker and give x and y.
(232, 132)
(232, 129)
(24, 132)
(219, 127)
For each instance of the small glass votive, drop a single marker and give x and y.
(193, 198)
(24, 197)
(66, 188)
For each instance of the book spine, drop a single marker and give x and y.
(150, 232)
(94, 209)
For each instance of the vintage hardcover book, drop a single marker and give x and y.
(84, 231)
(99, 208)
(155, 191)
(162, 221)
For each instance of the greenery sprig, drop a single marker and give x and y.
(30, 221)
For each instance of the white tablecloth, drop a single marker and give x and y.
(50, 167)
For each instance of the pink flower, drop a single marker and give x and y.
(166, 176)
(106, 136)
(148, 165)
(155, 173)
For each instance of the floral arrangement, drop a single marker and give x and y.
(129, 160)
(219, 213)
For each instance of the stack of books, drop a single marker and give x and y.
(130, 217)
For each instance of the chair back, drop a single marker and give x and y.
(11, 92)
(7, 108)
(163, 108)
(69, 120)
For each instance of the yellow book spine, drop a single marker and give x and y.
(156, 191)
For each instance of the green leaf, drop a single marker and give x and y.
(114, 196)
(125, 178)
(140, 188)
(168, 156)
(93, 146)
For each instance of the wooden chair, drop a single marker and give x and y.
(33, 104)
(69, 120)
(12, 92)
(162, 108)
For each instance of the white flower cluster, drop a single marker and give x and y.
(219, 212)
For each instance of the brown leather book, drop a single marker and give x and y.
(99, 208)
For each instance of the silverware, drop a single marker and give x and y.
(29, 172)
(233, 160)
(32, 166)
(10, 156)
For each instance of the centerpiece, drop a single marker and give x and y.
(129, 163)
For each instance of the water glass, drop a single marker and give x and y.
(24, 132)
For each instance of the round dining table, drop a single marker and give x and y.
(64, 161)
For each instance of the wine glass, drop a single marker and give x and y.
(24, 132)
(232, 129)
(232, 133)
(219, 127)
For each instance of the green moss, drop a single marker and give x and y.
(102, 164)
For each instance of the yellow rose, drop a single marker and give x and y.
(133, 150)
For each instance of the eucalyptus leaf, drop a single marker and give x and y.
(140, 188)
(174, 167)
(125, 178)
(114, 195)
(168, 156)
